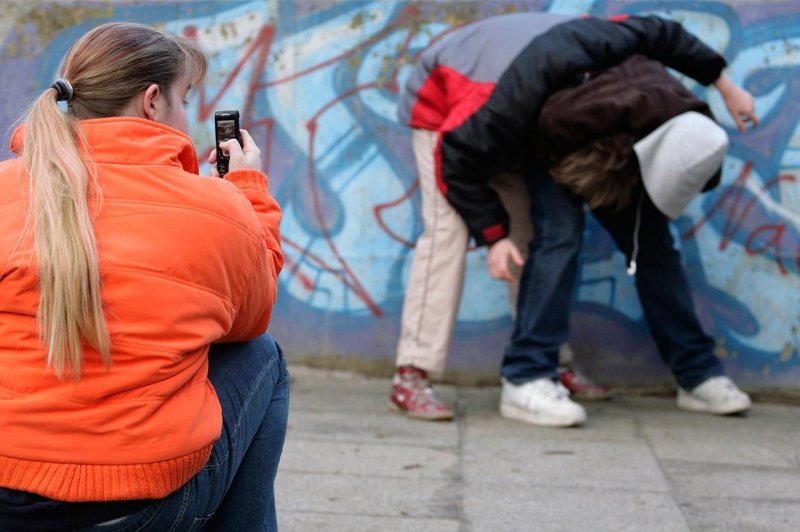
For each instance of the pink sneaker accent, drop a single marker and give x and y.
(581, 387)
(412, 394)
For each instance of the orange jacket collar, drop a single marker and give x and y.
(130, 140)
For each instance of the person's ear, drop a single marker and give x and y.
(152, 102)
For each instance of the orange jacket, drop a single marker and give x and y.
(185, 261)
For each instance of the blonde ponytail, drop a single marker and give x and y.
(108, 67)
(70, 310)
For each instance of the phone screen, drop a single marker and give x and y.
(226, 130)
(226, 124)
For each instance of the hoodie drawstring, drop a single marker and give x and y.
(635, 253)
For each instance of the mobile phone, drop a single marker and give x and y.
(226, 126)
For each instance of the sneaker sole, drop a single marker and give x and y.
(511, 411)
(591, 396)
(421, 416)
(693, 405)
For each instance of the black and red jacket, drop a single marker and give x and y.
(482, 88)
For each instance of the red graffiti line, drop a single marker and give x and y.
(358, 289)
(294, 269)
(306, 254)
(259, 50)
(379, 208)
(404, 17)
(350, 278)
(261, 46)
(311, 125)
(761, 239)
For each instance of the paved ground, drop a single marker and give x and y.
(639, 464)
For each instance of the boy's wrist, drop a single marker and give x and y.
(724, 84)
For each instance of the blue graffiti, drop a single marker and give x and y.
(317, 85)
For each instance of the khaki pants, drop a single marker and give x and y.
(437, 268)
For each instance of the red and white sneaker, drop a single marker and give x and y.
(582, 387)
(412, 395)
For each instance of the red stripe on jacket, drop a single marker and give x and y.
(444, 102)
(447, 99)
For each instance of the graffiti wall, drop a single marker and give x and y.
(317, 85)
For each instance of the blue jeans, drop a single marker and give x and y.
(234, 490)
(550, 274)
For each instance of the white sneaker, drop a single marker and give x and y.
(717, 395)
(540, 402)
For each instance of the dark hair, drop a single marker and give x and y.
(604, 173)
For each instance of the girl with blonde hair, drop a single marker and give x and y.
(139, 389)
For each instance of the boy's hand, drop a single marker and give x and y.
(739, 102)
(499, 257)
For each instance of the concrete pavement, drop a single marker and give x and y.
(639, 464)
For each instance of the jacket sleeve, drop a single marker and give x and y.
(504, 128)
(254, 304)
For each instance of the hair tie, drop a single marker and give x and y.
(64, 90)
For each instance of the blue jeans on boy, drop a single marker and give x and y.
(234, 490)
(550, 274)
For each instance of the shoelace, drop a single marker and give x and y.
(417, 384)
(424, 397)
(723, 389)
(555, 390)
(728, 388)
